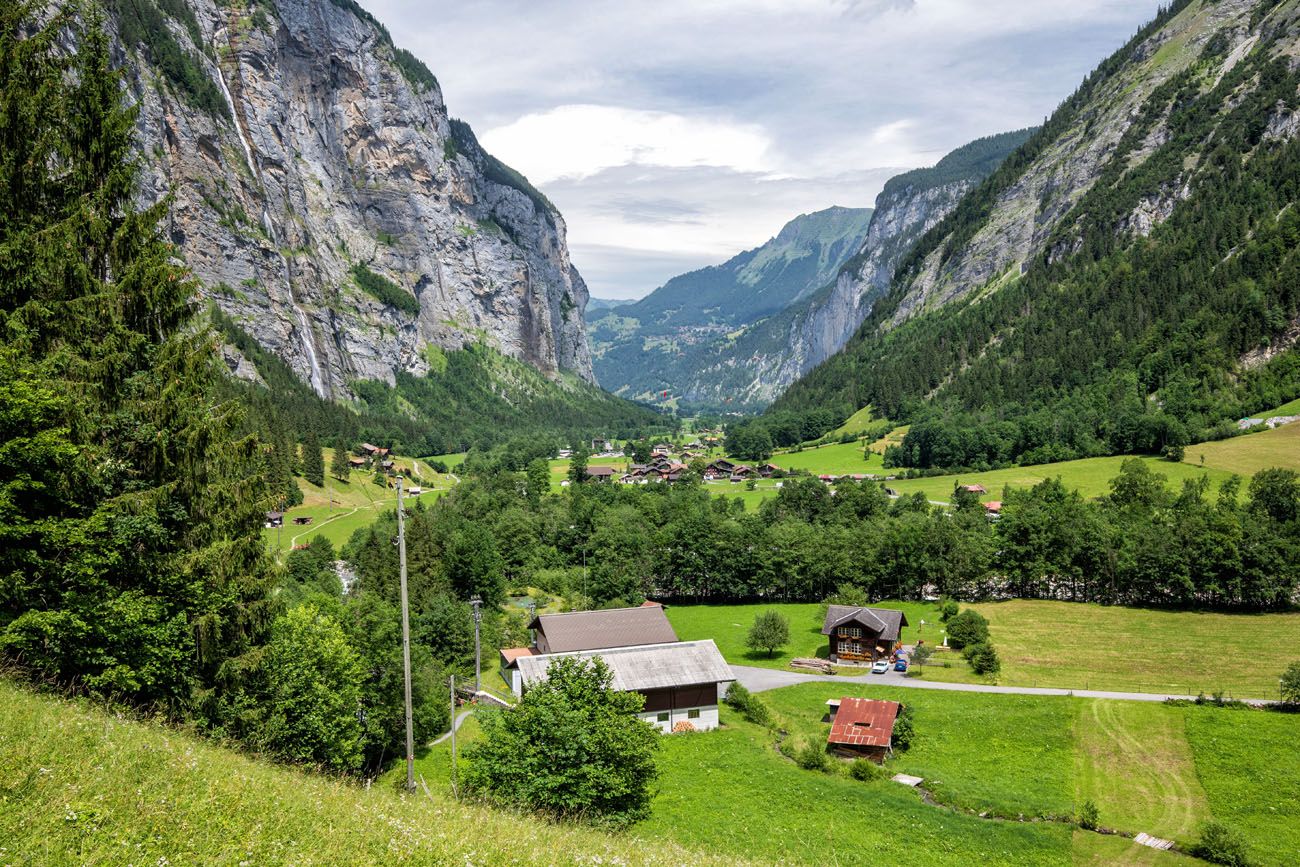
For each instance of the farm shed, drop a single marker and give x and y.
(593, 630)
(862, 634)
(679, 681)
(862, 727)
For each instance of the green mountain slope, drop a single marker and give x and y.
(1125, 281)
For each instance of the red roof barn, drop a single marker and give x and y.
(863, 727)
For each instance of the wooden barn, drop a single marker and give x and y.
(862, 727)
(862, 634)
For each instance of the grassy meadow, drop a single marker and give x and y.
(1249, 453)
(728, 625)
(80, 786)
(1072, 645)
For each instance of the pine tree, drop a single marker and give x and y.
(313, 462)
(128, 505)
(339, 466)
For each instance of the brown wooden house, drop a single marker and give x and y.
(862, 634)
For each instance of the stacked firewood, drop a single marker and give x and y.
(820, 666)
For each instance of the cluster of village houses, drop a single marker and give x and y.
(682, 682)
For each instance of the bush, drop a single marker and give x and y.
(1221, 844)
(866, 770)
(1089, 816)
(1290, 686)
(967, 627)
(983, 658)
(947, 610)
(904, 729)
(811, 756)
(748, 705)
(572, 748)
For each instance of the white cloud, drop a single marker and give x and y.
(578, 141)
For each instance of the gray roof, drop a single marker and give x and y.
(885, 621)
(657, 666)
(615, 627)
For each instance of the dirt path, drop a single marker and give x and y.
(293, 540)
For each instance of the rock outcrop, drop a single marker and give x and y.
(332, 167)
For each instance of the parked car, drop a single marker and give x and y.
(880, 667)
(901, 665)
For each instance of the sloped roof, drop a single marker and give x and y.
(656, 666)
(885, 621)
(616, 627)
(510, 654)
(863, 722)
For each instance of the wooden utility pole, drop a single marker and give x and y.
(406, 641)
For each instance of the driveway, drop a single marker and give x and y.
(760, 679)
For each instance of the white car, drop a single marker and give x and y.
(880, 666)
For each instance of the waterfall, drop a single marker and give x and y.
(305, 334)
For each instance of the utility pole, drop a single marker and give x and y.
(476, 601)
(406, 642)
(451, 686)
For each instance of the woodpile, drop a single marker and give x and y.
(820, 666)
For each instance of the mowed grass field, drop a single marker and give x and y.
(836, 459)
(1149, 767)
(1077, 646)
(1249, 453)
(728, 626)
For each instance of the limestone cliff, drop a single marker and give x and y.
(330, 205)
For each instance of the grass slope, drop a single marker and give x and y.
(1250, 453)
(78, 786)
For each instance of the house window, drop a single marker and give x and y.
(850, 647)
(850, 631)
(693, 713)
(663, 717)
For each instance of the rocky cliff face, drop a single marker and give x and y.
(770, 355)
(334, 210)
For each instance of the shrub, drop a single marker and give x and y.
(947, 610)
(811, 756)
(866, 770)
(748, 705)
(967, 627)
(904, 729)
(1088, 816)
(1290, 686)
(983, 658)
(1221, 844)
(597, 755)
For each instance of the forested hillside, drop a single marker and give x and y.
(1125, 281)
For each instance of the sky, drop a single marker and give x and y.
(674, 134)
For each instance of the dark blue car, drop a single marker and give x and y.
(901, 665)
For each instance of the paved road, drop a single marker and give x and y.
(760, 679)
(460, 720)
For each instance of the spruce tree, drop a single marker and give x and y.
(339, 466)
(313, 462)
(129, 510)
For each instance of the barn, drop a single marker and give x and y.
(862, 727)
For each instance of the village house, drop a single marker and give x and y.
(356, 462)
(274, 519)
(601, 474)
(862, 634)
(373, 450)
(862, 727)
(974, 489)
(599, 445)
(680, 680)
(993, 508)
(661, 450)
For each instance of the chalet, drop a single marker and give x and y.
(769, 470)
(862, 727)
(974, 489)
(373, 450)
(601, 445)
(862, 634)
(679, 679)
(415, 490)
(742, 471)
(386, 466)
(274, 519)
(356, 462)
(662, 449)
(601, 474)
(719, 469)
(993, 508)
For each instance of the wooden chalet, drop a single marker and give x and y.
(679, 679)
(357, 462)
(602, 474)
(974, 489)
(275, 519)
(862, 727)
(862, 634)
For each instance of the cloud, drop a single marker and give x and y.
(678, 130)
(578, 141)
